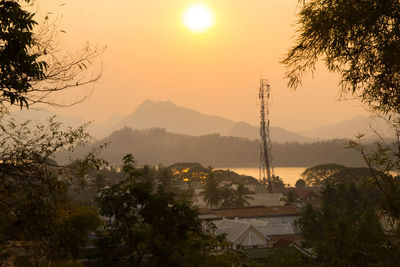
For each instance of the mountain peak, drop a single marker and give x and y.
(149, 102)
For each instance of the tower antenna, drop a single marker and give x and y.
(266, 168)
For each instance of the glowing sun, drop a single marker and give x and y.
(198, 18)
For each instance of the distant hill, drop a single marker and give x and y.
(157, 146)
(175, 119)
(278, 134)
(350, 128)
(182, 120)
(153, 114)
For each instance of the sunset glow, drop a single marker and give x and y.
(198, 18)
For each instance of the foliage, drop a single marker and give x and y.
(381, 163)
(212, 192)
(317, 174)
(300, 183)
(287, 256)
(150, 228)
(150, 148)
(31, 67)
(360, 40)
(235, 197)
(277, 183)
(18, 66)
(38, 223)
(346, 230)
(291, 198)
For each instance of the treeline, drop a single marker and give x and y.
(157, 146)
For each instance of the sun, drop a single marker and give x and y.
(198, 18)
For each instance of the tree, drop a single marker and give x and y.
(291, 198)
(235, 197)
(152, 228)
(166, 179)
(360, 40)
(38, 222)
(211, 192)
(287, 256)
(30, 66)
(346, 230)
(277, 183)
(318, 174)
(300, 183)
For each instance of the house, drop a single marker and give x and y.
(240, 234)
(271, 214)
(246, 234)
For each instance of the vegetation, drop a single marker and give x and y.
(357, 39)
(150, 228)
(212, 193)
(32, 67)
(346, 229)
(235, 195)
(150, 145)
(38, 221)
(291, 198)
(300, 183)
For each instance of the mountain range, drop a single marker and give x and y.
(181, 120)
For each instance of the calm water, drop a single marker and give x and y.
(289, 175)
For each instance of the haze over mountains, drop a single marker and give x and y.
(181, 120)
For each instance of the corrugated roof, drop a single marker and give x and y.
(240, 233)
(233, 229)
(276, 229)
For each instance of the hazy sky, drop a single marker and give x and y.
(151, 55)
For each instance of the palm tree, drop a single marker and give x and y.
(236, 197)
(290, 199)
(211, 192)
(239, 197)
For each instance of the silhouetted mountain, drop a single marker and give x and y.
(350, 128)
(157, 146)
(175, 119)
(182, 120)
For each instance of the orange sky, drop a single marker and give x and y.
(151, 55)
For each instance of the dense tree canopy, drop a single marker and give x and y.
(346, 230)
(359, 39)
(38, 221)
(149, 227)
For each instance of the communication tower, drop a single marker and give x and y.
(266, 168)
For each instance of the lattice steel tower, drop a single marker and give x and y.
(266, 169)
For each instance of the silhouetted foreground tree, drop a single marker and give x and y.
(31, 68)
(39, 225)
(151, 228)
(346, 230)
(360, 40)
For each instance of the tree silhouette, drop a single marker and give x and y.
(211, 191)
(360, 40)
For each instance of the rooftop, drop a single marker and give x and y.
(252, 212)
